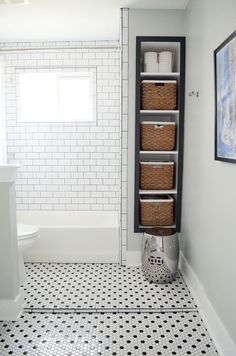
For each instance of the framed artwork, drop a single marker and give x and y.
(225, 100)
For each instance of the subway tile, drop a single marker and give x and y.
(68, 158)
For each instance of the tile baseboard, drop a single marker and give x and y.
(220, 336)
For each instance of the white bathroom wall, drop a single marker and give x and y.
(67, 166)
(208, 224)
(143, 23)
(2, 115)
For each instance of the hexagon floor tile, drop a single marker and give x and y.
(106, 334)
(58, 285)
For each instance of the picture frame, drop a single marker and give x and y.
(225, 100)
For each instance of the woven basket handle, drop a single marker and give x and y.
(157, 203)
(158, 126)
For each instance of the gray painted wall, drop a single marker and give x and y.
(208, 224)
(144, 23)
(208, 238)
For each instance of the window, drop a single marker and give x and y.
(56, 97)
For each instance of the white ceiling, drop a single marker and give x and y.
(70, 19)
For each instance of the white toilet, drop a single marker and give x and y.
(27, 235)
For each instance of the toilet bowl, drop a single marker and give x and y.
(27, 235)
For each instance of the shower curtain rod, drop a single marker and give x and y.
(53, 48)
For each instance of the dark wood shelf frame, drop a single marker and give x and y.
(180, 132)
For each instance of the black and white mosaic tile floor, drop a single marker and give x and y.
(77, 327)
(83, 286)
(106, 335)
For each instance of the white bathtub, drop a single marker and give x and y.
(68, 236)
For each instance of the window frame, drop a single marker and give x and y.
(61, 72)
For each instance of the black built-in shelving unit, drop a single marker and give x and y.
(178, 45)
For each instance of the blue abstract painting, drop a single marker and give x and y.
(225, 66)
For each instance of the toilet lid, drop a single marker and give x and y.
(27, 231)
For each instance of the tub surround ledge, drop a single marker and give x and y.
(73, 236)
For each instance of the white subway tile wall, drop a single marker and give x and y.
(67, 166)
(124, 38)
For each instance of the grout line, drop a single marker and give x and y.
(108, 310)
(72, 263)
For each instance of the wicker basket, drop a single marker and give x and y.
(159, 95)
(157, 136)
(156, 175)
(157, 211)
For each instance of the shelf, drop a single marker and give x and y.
(160, 117)
(159, 152)
(157, 226)
(161, 192)
(157, 75)
(156, 112)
